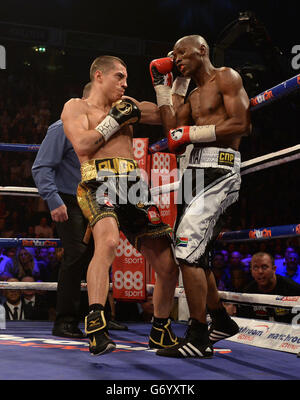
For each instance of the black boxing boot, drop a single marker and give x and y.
(222, 326)
(96, 330)
(196, 343)
(161, 335)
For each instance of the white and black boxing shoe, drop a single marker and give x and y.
(196, 343)
(222, 326)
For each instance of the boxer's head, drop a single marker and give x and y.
(109, 75)
(189, 54)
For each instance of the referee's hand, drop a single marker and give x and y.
(60, 214)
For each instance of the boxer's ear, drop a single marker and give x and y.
(98, 75)
(203, 50)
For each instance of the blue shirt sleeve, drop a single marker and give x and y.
(49, 156)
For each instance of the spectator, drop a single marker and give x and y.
(225, 255)
(3, 278)
(7, 266)
(291, 267)
(266, 281)
(30, 232)
(50, 272)
(11, 253)
(43, 255)
(220, 271)
(278, 250)
(14, 305)
(27, 263)
(235, 261)
(239, 278)
(35, 303)
(280, 262)
(43, 230)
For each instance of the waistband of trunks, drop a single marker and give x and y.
(215, 157)
(106, 167)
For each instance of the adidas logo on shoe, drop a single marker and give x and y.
(187, 350)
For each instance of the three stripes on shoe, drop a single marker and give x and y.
(189, 350)
(215, 336)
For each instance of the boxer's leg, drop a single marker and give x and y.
(159, 254)
(196, 342)
(223, 326)
(106, 238)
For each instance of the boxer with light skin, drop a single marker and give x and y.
(214, 118)
(100, 130)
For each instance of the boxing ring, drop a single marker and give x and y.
(263, 350)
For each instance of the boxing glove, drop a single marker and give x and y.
(162, 79)
(182, 136)
(161, 71)
(123, 112)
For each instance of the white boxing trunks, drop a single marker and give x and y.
(213, 180)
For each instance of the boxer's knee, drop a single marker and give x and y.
(108, 245)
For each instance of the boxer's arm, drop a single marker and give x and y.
(173, 117)
(76, 127)
(150, 114)
(236, 103)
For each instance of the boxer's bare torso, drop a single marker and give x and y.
(205, 106)
(120, 145)
(219, 98)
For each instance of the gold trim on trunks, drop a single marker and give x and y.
(116, 166)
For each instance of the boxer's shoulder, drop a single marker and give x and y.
(227, 76)
(74, 108)
(226, 73)
(75, 104)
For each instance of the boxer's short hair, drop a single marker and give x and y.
(104, 63)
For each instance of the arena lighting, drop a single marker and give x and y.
(39, 49)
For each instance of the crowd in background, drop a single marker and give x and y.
(28, 104)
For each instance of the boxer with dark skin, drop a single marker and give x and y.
(215, 116)
(100, 130)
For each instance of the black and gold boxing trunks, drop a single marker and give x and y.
(113, 187)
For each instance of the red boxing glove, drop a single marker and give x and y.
(182, 136)
(178, 139)
(161, 71)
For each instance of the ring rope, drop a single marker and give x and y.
(19, 147)
(233, 297)
(272, 232)
(291, 153)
